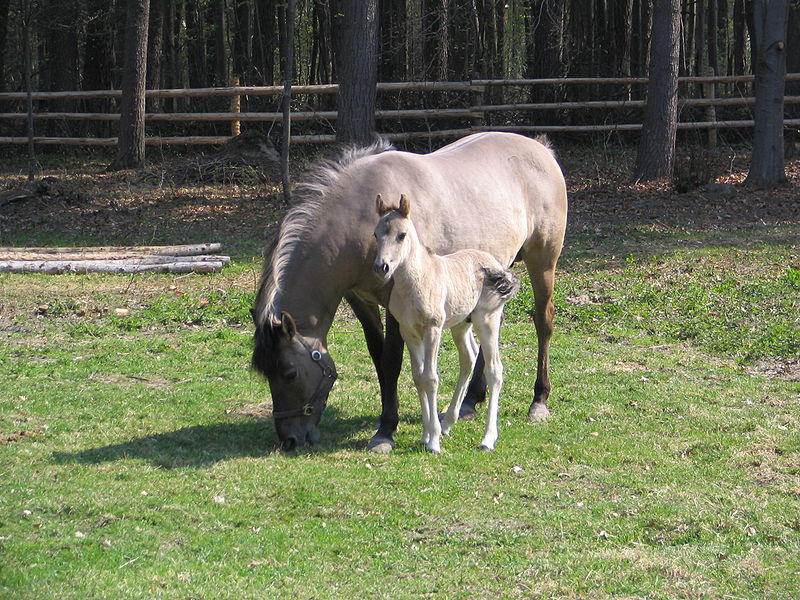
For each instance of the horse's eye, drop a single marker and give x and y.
(401, 237)
(290, 373)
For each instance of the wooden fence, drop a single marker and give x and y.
(472, 115)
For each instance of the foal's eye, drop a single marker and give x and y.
(401, 237)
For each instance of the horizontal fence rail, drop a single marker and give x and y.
(477, 106)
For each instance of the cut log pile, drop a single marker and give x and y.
(188, 258)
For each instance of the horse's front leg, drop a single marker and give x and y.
(430, 379)
(387, 357)
(416, 351)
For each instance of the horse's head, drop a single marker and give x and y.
(395, 235)
(300, 373)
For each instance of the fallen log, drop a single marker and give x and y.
(179, 250)
(53, 267)
(108, 256)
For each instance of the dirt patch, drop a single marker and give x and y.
(259, 412)
(777, 368)
(21, 435)
(183, 200)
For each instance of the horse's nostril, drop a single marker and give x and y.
(313, 437)
(385, 268)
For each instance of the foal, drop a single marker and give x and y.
(431, 293)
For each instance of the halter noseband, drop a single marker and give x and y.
(319, 399)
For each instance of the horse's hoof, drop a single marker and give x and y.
(538, 412)
(467, 413)
(380, 445)
(486, 448)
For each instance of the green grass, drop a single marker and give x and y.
(135, 462)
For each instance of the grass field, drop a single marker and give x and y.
(138, 459)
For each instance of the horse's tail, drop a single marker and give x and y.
(502, 282)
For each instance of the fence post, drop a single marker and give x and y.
(236, 107)
(477, 100)
(709, 91)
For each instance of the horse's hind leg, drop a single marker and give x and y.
(476, 390)
(467, 351)
(542, 273)
(387, 355)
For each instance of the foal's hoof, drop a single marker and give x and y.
(380, 445)
(538, 412)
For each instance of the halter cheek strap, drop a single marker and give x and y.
(319, 399)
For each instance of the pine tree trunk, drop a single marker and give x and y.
(359, 72)
(657, 144)
(130, 145)
(770, 18)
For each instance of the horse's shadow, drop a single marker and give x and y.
(201, 446)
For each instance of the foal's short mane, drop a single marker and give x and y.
(299, 220)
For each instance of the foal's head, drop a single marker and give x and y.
(395, 234)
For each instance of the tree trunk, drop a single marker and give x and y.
(265, 41)
(4, 6)
(657, 144)
(130, 145)
(289, 24)
(359, 72)
(770, 18)
(155, 46)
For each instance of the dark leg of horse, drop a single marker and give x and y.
(391, 362)
(476, 390)
(542, 280)
(378, 346)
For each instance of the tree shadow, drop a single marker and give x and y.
(201, 446)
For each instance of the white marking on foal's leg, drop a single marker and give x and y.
(467, 353)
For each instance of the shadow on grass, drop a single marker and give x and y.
(201, 446)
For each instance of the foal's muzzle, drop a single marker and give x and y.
(381, 268)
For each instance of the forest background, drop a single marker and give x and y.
(78, 45)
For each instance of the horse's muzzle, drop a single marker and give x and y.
(295, 436)
(381, 268)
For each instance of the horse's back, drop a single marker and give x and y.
(493, 191)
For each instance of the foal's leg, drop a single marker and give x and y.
(487, 327)
(541, 269)
(462, 336)
(431, 341)
(416, 352)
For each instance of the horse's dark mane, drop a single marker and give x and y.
(299, 220)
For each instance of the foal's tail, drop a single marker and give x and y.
(501, 281)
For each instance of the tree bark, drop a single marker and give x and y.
(770, 18)
(359, 72)
(130, 145)
(657, 144)
(4, 6)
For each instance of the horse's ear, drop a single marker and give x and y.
(288, 327)
(405, 206)
(381, 206)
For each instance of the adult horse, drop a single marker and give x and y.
(498, 192)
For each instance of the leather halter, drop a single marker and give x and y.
(319, 399)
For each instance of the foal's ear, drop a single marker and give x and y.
(381, 207)
(287, 327)
(405, 206)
